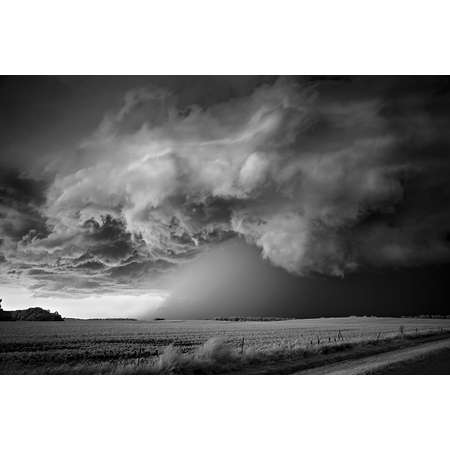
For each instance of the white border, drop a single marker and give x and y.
(232, 37)
(224, 412)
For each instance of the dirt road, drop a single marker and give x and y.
(431, 357)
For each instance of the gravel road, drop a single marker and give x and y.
(427, 358)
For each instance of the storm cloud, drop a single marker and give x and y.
(322, 176)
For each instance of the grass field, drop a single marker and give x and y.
(192, 346)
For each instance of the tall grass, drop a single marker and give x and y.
(214, 356)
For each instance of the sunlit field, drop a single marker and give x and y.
(163, 346)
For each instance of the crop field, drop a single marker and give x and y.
(45, 347)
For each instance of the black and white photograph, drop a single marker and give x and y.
(225, 225)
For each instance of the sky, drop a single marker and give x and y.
(196, 197)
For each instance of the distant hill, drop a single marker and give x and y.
(37, 314)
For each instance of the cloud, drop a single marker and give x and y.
(319, 182)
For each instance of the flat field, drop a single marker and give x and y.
(101, 346)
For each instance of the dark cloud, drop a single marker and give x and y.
(43, 118)
(20, 202)
(322, 175)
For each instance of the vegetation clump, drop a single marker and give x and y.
(38, 314)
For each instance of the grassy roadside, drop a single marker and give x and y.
(432, 363)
